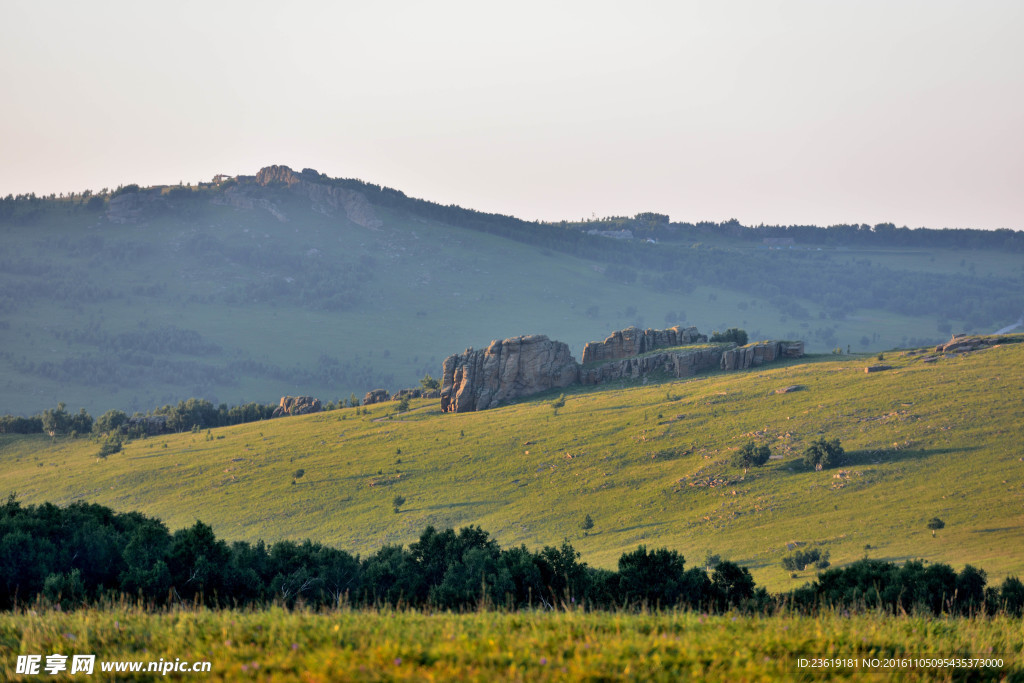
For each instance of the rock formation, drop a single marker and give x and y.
(376, 396)
(504, 371)
(522, 366)
(743, 357)
(297, 405)
(961, 343)
(325, 197)
(132, 207)
(633, 341)
(678, 363)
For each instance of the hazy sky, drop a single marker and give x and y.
(776, 112)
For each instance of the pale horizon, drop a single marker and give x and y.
(770, 113)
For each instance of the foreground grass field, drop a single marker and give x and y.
(278, 645)
(650, 464)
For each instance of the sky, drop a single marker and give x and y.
(768, 112)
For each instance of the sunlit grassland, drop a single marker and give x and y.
(650, 463)
(278, 645)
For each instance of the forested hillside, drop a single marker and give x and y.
(245, 289)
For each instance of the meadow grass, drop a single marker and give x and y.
(369, 645)
(650, 463)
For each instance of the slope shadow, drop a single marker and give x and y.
(881, 456)
(638, 526)
(448, 506)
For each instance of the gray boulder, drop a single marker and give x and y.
(505, 371)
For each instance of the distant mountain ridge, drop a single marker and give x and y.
(294, 282)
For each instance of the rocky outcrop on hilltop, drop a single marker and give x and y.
(633, 341)
(297, 405)
(504, 371)
(326, 198)
(133, 207)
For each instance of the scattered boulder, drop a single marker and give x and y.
(505, 371)
(790, 389)
(376, 396)
(297, 405)
(877, 368)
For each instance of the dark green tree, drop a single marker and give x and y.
(110, 421)
(751, 455)
(823, 453)
(733, 585)
(110, 446)
(57, 422)
(733, 334)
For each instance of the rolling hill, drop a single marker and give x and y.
(650, 463)
(248, 288)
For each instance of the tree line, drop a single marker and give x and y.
(188, 415)
(194, 413)
(85, 553)
(680, 261)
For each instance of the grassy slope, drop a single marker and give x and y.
(924, 440)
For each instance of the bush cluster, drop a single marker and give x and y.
(798, 561)
(83, 553)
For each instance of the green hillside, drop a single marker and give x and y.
(236, 291)
(650, 464)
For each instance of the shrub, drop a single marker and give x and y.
(822, 453)
(798, 561)
(733, 334)
(110, 446)
(752, 456)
